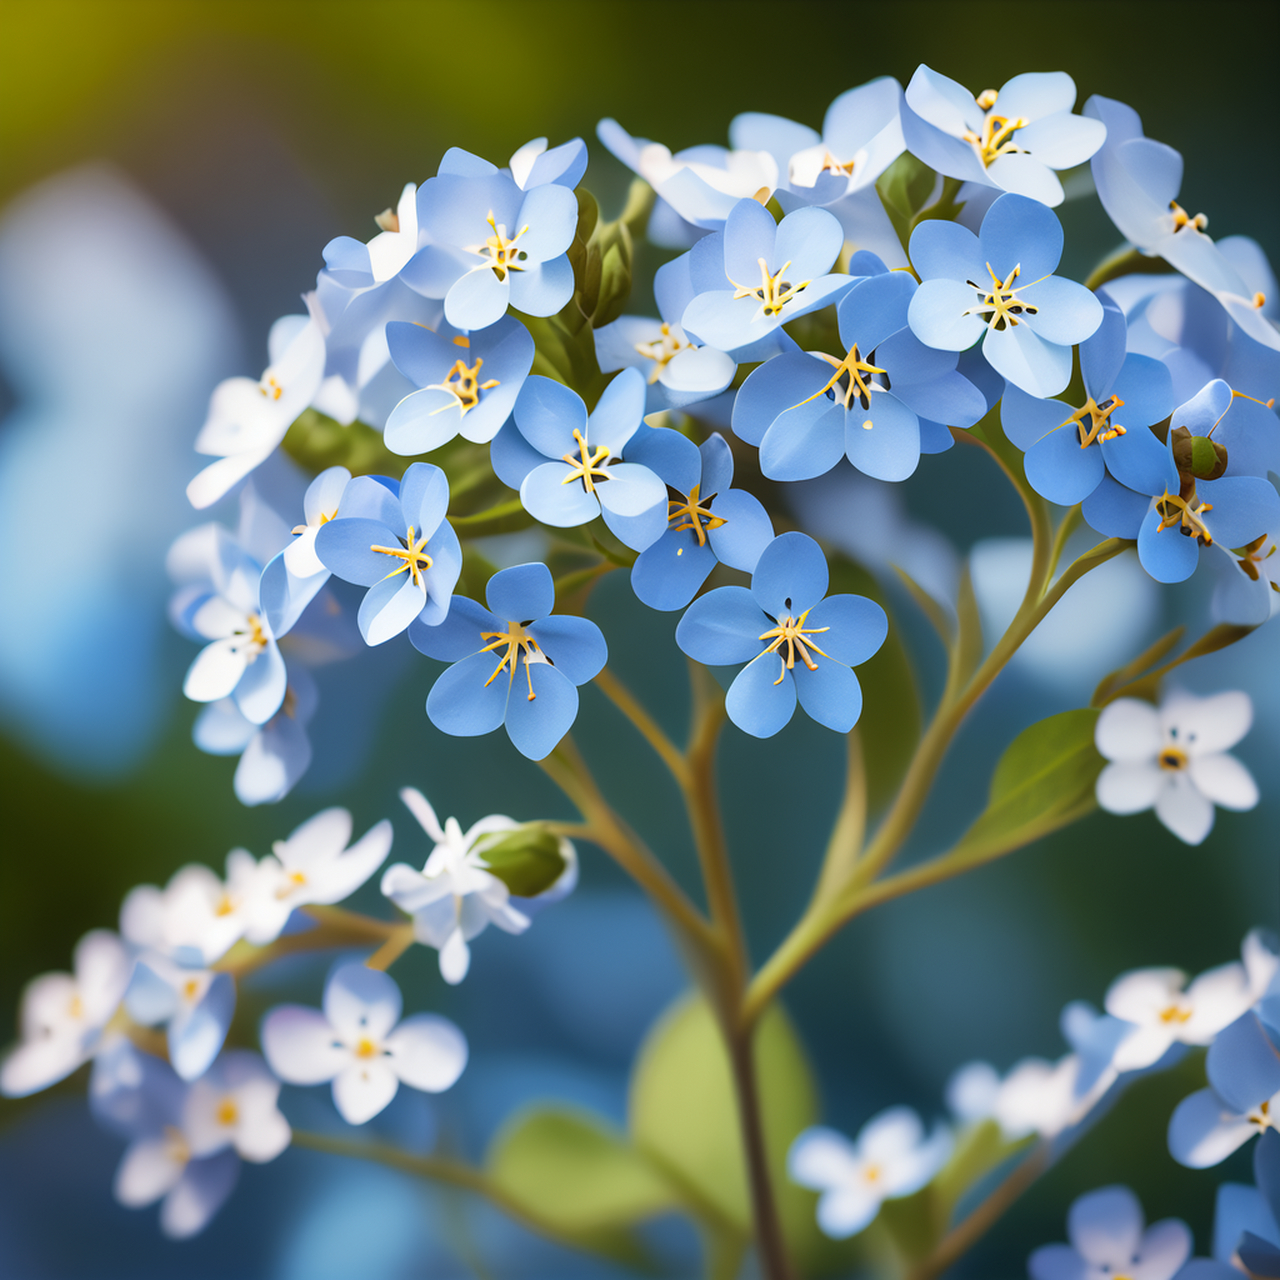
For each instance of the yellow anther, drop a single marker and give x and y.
(463, 383)
(178, 1149)
(226, 905)
(412, 553)
(1259, 299)
(227, 1113)
(1185, 513)
(75, 1007)
(365, 1048)
(851, 379)
(1099, 425)
(831, 165)
(502, 253)
(1181, 218)
(662, 350)
(996, 139)
(270, 388)
(1001, 306)
(1175, 1013)
(1172, 760)
(691, 514)
(773, 291)
(387, 220)
(1261, 1116)
(873, 1173)
(586, 467)
(191, 988)
(795, 635)
(511, 645)
(325, 517)
(1252, 555)
(987, 99)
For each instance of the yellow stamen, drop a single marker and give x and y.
(851, 378)
(586, 468)
(1172, 760)
(515, 642)
(270, 388)
(1175, 1013)
(662, 350)
(1181, 218)
(387, 220)
(996, 139)
(1262, 1116)
(227, 1113)
(413, 553)
(1252, 555)
(501, 252)
(795, 635)
(1099, 428)
(1188, 514)
(325, 517)
(365, 1049)
(1001, 306)
(191, 988)
(773, 291)
(693, 515)
(463, 383)
(75, 1008)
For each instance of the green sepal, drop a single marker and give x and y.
(903, 188)
(527, 860)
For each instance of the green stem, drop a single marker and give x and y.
(335, 927)
(1125, 262)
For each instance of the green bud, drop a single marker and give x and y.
(528, 860)
(1198, 456)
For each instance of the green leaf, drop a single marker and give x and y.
(316, 442)
(1222, 636)
(506, 517)
(527, 860)
(570, 1169)
(1121, 676)
(1044, 780)
(903, 188)
(684, 1117)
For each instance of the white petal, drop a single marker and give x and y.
(216, 671)
(343, 875)
(149, 1169)
(821, 1158)
(1217, 998)
(362, 1003)
(1224, 780)
(301, 1046)
(1142, 1047)
(263, 1133)
(427, 1052)
(37, 1064)
(846, 1210)
(1129, 787)
(1140, 996)
(1184, 810)
(1128, 730)
(364, 1088)
(1208, 724)
(420, 807)
(317, 841)
(455, 958)
(890, 1135)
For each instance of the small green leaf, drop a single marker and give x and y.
(316, 442)
(527, 860)
(1222, 636)
(506, 517)
(1044, 780)
(1121, 676)
(570, 1169)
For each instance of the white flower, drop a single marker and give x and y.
(454, 897)
(1164, 1014)
(1038, 1096)
(1174, 759)
(64, 1016)
(234, 1105)
(196, 1004)
(890, 1158)
(313, 865)
(356, 1043)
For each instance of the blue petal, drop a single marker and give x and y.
(884, 440)
(667, 575)
(1068, 313)
(804, 442)
(548, 414)
(810, 240)
(512, 456)
(934, 437)
(1165, 554)
(550, 211)
(1243, 508)
(942, 250)
(194, 1040)
(830, 694)
(1115, 511)
(746, 531)
(563, 165)
(284, 596)
(343, 546)
(535, 725)
(576, 646)
(619, 412)
(261, 688)
(671, 456)
(1146, 389)
(422, 422)
(1040, 368)
(758, 702)
(1060, 470)
(873, 309)
(950, 398)
(464, 164)
(368, 498)
(522, 593)
(1243, 1064)
(542, 290)
(1102, 355)
(749, 235)
(547, 496)
(458, 635)
(791, 576)
(938, 315)
(1199, 1117)
(477, 299)
(1140, 462)
(776, 386)
(421, 355)
(722, 627)
(442, 577)
(717, 465)
(389, 607)
(454, 209)
(424, 497)
(634, 492)
(856, 628)
(461, 703)
(1018, 231)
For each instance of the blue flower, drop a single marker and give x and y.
(784, 620)
(1137, 180)
(196, 1004)
(493, 244)
(707, 521)
(383, 530)
(807, 411)
(512, 663)
(587, 476)
(1011, 139)
(1068, 451)
(999, 286)
(469, 383)
(757, 274)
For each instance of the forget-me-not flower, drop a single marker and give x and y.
(513, 664)
(1012, 138)
(707, 520)
(796, 645)
(999, 286)
(468, 383)
(394, 539)
(570, 465)
(807, 411)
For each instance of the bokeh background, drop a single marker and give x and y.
(170, 173)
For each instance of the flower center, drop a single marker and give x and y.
(1175, 1013)
(851, 379)
(792, 633)
(463, 383)
(387, 220)
(831, 165)
(75, 1007)
(325, 517)
(510, 645)
(1099, 425)
(1000, 306)
(191, 989)
(251, 640)
(1185, 514)
(873, 1173)
(1252, 555)
(586, 467)
(292, 882)
(270, 388)
(1181, 218)
(413, 553)
(662, 350)
(693, 514)
(1262, 1117)
(227, 1113)
(996, 138)
(501, 252)
(773, 291)
(1172, 759)
(365, 1048)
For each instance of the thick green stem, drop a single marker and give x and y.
(1125, 262)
